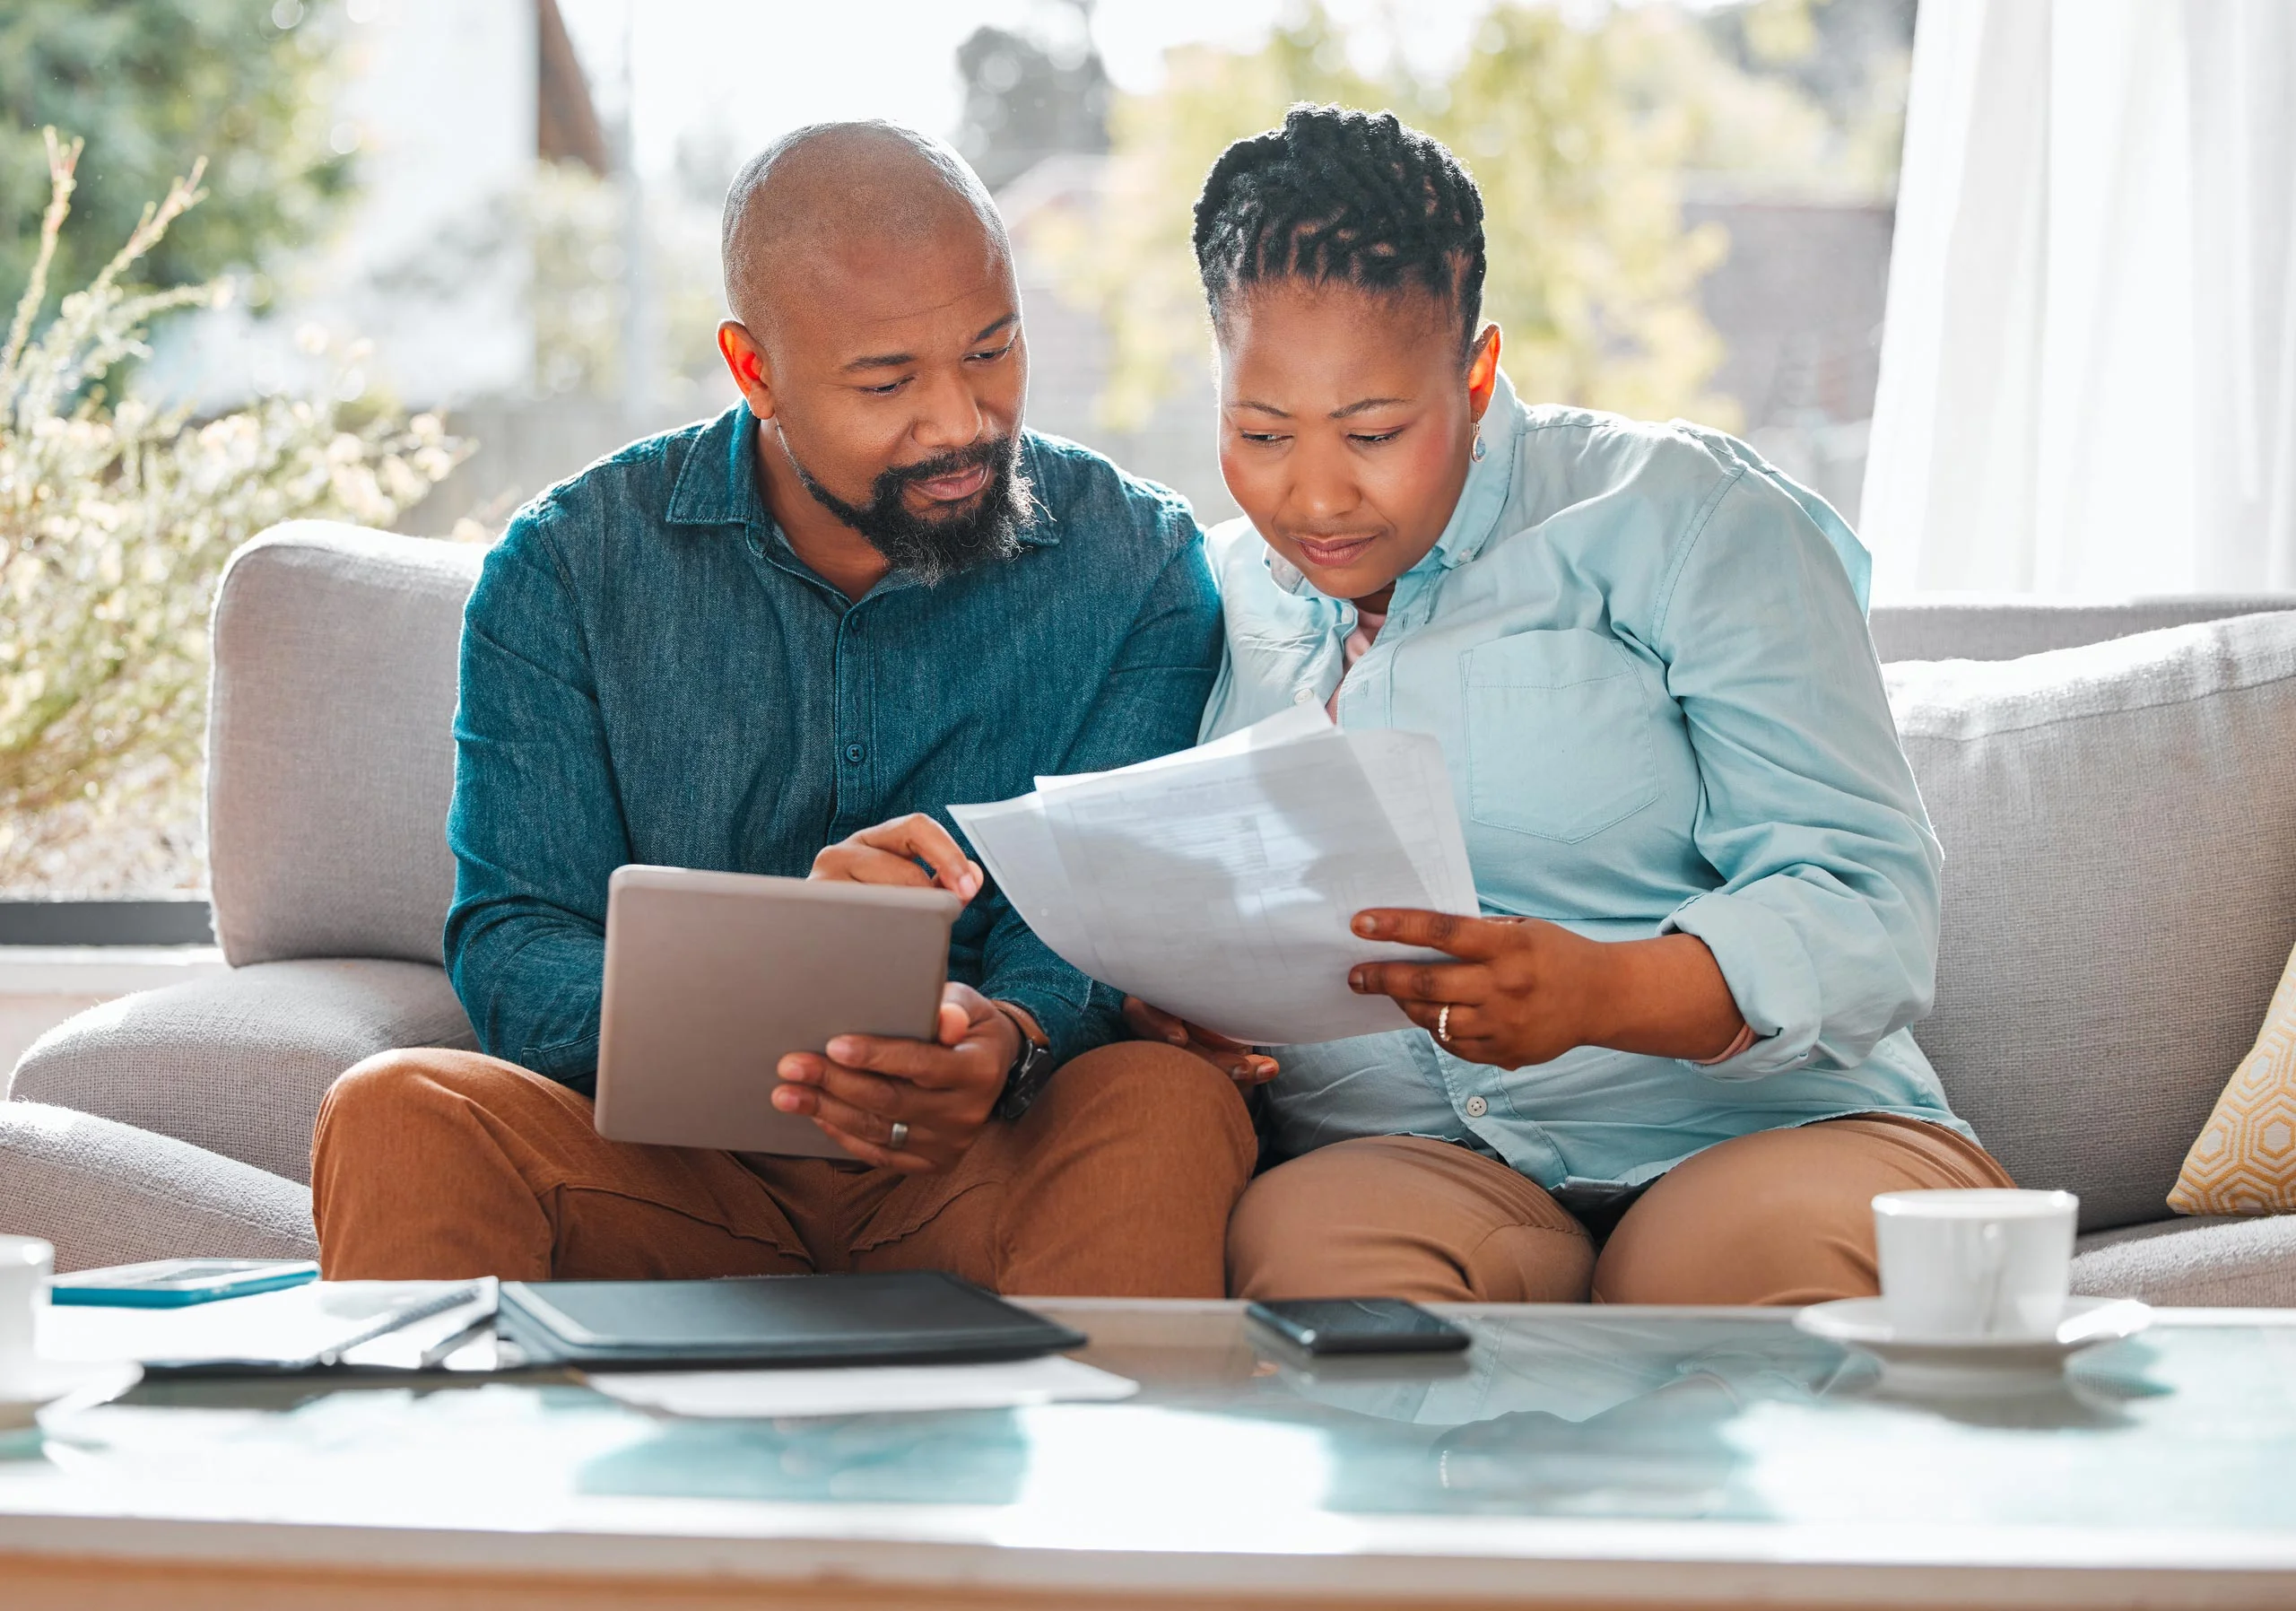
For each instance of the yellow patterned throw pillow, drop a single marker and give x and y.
(2245, 1160)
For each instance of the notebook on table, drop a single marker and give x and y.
(897, 1316)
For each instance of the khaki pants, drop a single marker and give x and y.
(1118, 1182)
(1781, 1217)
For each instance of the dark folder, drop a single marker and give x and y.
(897, 1317)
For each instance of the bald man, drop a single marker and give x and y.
(783, 642)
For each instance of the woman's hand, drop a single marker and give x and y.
(1233, 1059)
(1525, 992)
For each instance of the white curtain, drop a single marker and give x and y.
(2088, 380)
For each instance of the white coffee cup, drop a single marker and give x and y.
(26, 1263)
(1975, 1264)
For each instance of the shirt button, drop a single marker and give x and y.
(1305, 696)
(854, 753)
(1477, 1107)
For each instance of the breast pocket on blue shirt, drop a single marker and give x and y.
(1558, 734)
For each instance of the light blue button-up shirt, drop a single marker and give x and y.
(1644, 651)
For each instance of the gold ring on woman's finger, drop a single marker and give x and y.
(1443, 1024)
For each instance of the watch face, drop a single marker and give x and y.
(1028, 1077)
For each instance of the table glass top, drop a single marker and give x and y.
(1584, 1415)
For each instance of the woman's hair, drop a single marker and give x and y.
(1343, 195)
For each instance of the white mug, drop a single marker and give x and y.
(26, 1263)
(1975, 1264)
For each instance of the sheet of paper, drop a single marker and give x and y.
(1421, 808)
(863, 1390)
(1219, 882)
(272, 1329)
(1013, 840)
(1301, 721)
(429, 1343)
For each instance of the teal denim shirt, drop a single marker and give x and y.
(1645, 653)
(649, 673)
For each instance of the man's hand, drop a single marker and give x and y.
(1233, 1059)
(889, 853)
(942, 1089)
(1524, 991)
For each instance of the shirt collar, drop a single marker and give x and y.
(1482, 500)
(717, 483)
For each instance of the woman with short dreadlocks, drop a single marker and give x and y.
(1671, 1063)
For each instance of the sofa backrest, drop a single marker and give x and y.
(330, 742)
(2120, 823)
(2119, 828)
(1969, 627)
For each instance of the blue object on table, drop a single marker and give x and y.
(176, 1282)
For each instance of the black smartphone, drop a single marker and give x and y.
(1358, 1325)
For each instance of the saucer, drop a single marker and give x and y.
(1972, 1364)
(64, 1384)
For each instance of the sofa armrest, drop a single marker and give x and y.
(237, 1065)
(105, 1193)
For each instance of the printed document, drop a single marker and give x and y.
(1219, 882)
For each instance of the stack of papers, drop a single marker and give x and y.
(1219, 882)
(402, 1325)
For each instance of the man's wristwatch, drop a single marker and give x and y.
(1032, 1065)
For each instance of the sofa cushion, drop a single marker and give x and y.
(2119, 828)
(2244, 1160)
(2236, 1263)
(238, 1064)
(106, 1193)
(330, 742)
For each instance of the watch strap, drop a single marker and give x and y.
(1032, 1066)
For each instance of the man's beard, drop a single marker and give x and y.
(932, 550)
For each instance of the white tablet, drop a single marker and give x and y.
(713, 978)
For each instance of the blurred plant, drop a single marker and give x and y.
(575, 224)
(577, 228)
(1031, 95)
(1579, 123)
(149, 79)
(1852, 59)
(116, 518)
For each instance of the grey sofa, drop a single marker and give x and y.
(2115, 788)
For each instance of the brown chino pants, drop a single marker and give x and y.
(1118, 1182)
(1780, 1216)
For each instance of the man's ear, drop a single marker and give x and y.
(745, 361)
(1482, 371)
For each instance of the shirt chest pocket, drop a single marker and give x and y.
(1558, 734)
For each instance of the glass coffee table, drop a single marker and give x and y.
(1575, 1456)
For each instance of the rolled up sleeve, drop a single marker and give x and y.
(1825, 926)
(535, 828)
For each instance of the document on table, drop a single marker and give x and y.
(863, 1390)
(324, 1324)
(1220, 883)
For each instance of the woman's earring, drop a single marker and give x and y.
(1478, 451)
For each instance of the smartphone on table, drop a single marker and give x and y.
(1324, 1326)
(176, 1282)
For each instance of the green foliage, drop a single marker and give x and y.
(116, 518)
(1579, 125)
(154, 83)
(575, 221)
